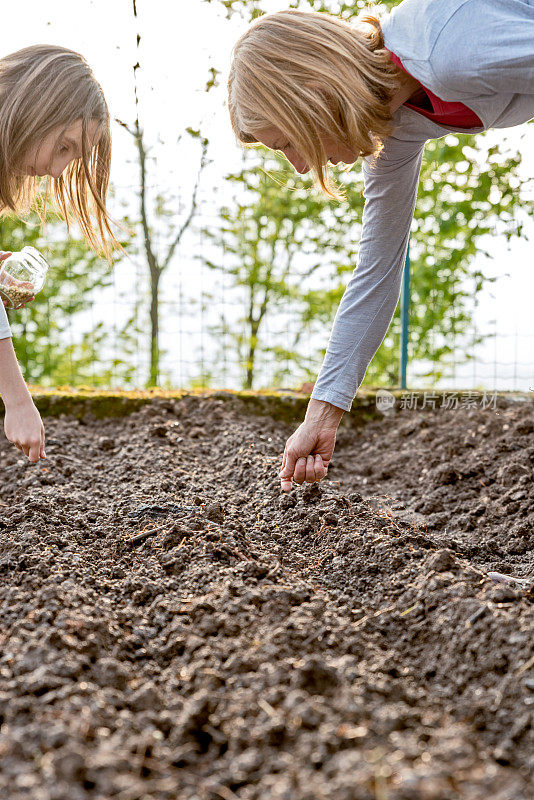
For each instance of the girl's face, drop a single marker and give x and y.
(276, 140)
(58, 149)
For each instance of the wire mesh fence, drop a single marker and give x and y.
(203, 332)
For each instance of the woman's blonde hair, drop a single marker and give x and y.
(310, 74)
(44, 87)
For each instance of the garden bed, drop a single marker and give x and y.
(174, 627)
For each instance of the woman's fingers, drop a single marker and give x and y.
(299, 475)
(319, 468)
(286, 482)
(310, 469)
(34, 451)
(315, 469)
(288, 468)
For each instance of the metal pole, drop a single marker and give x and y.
(405, 309)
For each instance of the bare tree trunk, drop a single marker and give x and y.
(249, 372)
(249, 379)
(154, 268)
(158, 264)
(154, 327)
(254, 323)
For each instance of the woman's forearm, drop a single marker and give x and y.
(13, 389)
(322, 413)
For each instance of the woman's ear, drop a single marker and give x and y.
(330, 104)
(319, 88)
(325, 96)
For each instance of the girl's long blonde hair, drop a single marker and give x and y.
(310, 74)
(44, 87)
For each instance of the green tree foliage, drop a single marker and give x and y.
(277, 237)
(467, 191)
(289, 251)
(46, 334)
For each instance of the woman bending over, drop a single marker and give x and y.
(322, 91)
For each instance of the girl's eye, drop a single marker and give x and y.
(62, 149)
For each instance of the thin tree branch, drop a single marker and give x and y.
(137, 134)
(192, 210)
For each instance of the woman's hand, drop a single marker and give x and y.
(21, 284)
(24, 428)
(308, 451)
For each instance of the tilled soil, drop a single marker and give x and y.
(173, 627)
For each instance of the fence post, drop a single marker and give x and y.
(405, 309)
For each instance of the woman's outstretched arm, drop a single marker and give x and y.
(366, 310)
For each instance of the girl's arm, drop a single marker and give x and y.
(22, 423)
(366, 310)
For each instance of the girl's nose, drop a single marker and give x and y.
(59, 167)
(299, 164)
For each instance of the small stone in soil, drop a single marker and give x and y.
(441, 561)
(331, 519)
(214, 512)
(287, 501)
(504, 594)
(355, 498)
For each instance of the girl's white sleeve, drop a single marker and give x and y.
(368, 305)
(5, 330)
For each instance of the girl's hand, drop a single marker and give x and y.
(308, 451)
(22, 284)
(24, 428)
(3, 256)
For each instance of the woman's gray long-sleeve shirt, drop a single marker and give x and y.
(477, 52)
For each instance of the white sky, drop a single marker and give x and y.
(181, 39)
